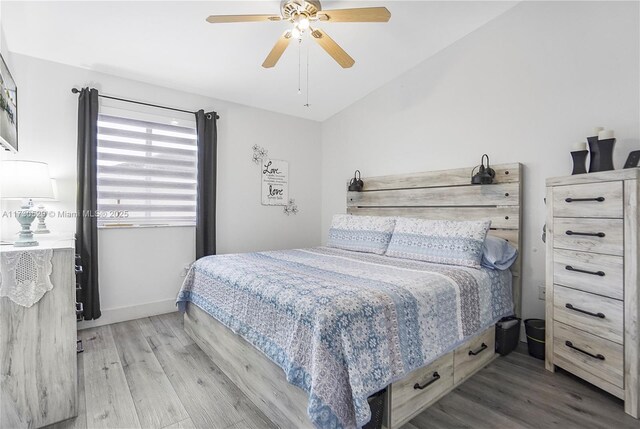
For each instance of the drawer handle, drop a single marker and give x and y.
(590, 234)
(79, 311)
(571, 307)
(477, 352)
(571, 200)
(78, 269)
(577, 270)
(435, 378)
(571, 346)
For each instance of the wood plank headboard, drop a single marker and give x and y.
(449, 195)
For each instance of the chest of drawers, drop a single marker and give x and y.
(592, 282)
(38, 366)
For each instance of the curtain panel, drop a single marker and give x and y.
(87, 201)
(206, 125)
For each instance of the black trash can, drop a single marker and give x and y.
(376, 403)
(507, 335)
(535, 337)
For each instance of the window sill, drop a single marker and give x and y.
(136, 226)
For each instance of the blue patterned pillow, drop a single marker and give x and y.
(439, 241)
(370, 234)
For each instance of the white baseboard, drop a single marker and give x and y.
(122, 314)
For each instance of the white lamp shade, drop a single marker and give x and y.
(54, 185)
(25, 179)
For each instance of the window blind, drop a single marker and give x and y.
(146, 172)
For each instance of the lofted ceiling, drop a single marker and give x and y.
(169, 43)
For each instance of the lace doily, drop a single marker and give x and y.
(24, 275)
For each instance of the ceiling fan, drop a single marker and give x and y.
(301, 13)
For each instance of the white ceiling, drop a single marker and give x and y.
(168, 43)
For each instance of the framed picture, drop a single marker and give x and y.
(8, 109)
(275, 182)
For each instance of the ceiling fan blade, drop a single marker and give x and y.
(277, 50)
(364, 14)
(221, 19)
(332, 48)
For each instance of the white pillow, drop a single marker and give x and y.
(370, 234)
(498, 254)
(439, 241)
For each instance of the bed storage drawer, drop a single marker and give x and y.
(602, 200)
(596, 314)
(594, 355)
(590, 272)
(478, 352)
(411, 394)
(589, 235)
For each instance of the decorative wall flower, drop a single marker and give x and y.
(291, 208)
(259, 153)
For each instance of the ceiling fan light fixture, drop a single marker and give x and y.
(296, 33)
(302, 22)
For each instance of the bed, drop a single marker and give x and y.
(309, 334)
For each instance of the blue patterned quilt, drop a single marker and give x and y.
(344, 325)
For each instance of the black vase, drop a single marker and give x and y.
(605, 154)
(594, 157)
(579, 161)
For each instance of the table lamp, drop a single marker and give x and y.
(25, 180)
(41, 228)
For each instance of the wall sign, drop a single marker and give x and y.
(275, 182)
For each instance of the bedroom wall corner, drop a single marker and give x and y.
(522, 88)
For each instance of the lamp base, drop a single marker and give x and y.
(27, 243)
(26, 215)
(41, 214)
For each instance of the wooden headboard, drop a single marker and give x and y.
(449, 195)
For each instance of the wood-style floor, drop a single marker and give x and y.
(147, 373)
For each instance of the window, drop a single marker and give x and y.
(147, 170)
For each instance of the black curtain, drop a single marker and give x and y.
(87, 201)
(206, 124)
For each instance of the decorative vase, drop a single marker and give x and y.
(605, 154)
(594, 158)
(579, 161)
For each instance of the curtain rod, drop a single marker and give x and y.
(76, 91)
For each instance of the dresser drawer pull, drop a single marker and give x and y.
(571, 307)
(477, 352)
(78, 269)
(577, 270)
(571, 346)
(590, 234)
(435, 378)
(79, 311)
(572, 200)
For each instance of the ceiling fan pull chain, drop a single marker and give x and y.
(299, 66)
(307, 105)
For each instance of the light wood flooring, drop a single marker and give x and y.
(147, 373)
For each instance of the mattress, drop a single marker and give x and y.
(343, 325)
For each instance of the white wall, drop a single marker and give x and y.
(523, 88)
(140, 269)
